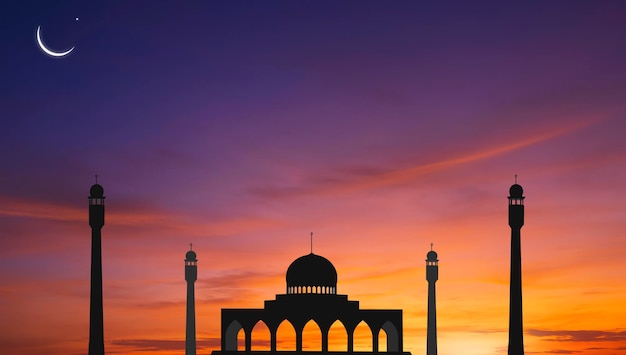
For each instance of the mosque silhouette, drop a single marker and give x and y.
(310, 296)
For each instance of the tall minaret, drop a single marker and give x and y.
(96, 221)
(516, 221)
(432, 275)
(191, 275)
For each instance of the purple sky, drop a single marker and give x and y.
(242, 126)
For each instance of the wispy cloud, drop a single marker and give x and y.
(146, 218)
(164, 344)
(41, 210)
(559, 351)
(357, 178)
(578, 335)
(237, 278)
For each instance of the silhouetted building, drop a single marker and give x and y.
(311, 295)
(516, 221)
(96, 221)
(432, 275)
(191, 275)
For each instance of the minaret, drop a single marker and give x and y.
(516, 221)
(96, 221)
(191, 275)
(432, 275)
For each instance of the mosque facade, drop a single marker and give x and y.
(311, 295)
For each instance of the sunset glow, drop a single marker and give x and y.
(382, 127)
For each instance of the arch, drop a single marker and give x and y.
(286, 336)
(393, 339)
(337, 337)
(382, 340)
(362, 336)
(260, 337)
(311, 336)
(230, 336)
(241, 340)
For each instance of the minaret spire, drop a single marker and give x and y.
(96, 318)
(516, 221)
(432, 275)
(191, 275)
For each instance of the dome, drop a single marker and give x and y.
(431, 256)
(96, 191)
(516, 191)
(311, 270)
(190, 256)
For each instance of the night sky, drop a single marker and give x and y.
(381, 126)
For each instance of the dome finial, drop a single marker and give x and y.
(311, 242)
(96, 178)
(431, 246)
(516, 178)
(190, 246)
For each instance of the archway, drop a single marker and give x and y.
(260, 337)
(337, 337)
(393, 340)
(286, 336)
(311, 337)
(362, 336)
(241, 340)
(231, 335)
(382, 341)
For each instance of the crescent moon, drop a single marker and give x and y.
(48, 51)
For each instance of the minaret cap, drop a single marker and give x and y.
(516, 191)
(431, 256)
(190, 256)
(96, 191)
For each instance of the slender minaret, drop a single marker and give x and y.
(516, 221)
(96, 221)
(191, 275)
(432, 275)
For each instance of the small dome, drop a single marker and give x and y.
(516, 191)
(96, 191)
(431, 256)
(190, 256)
(311, 270)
